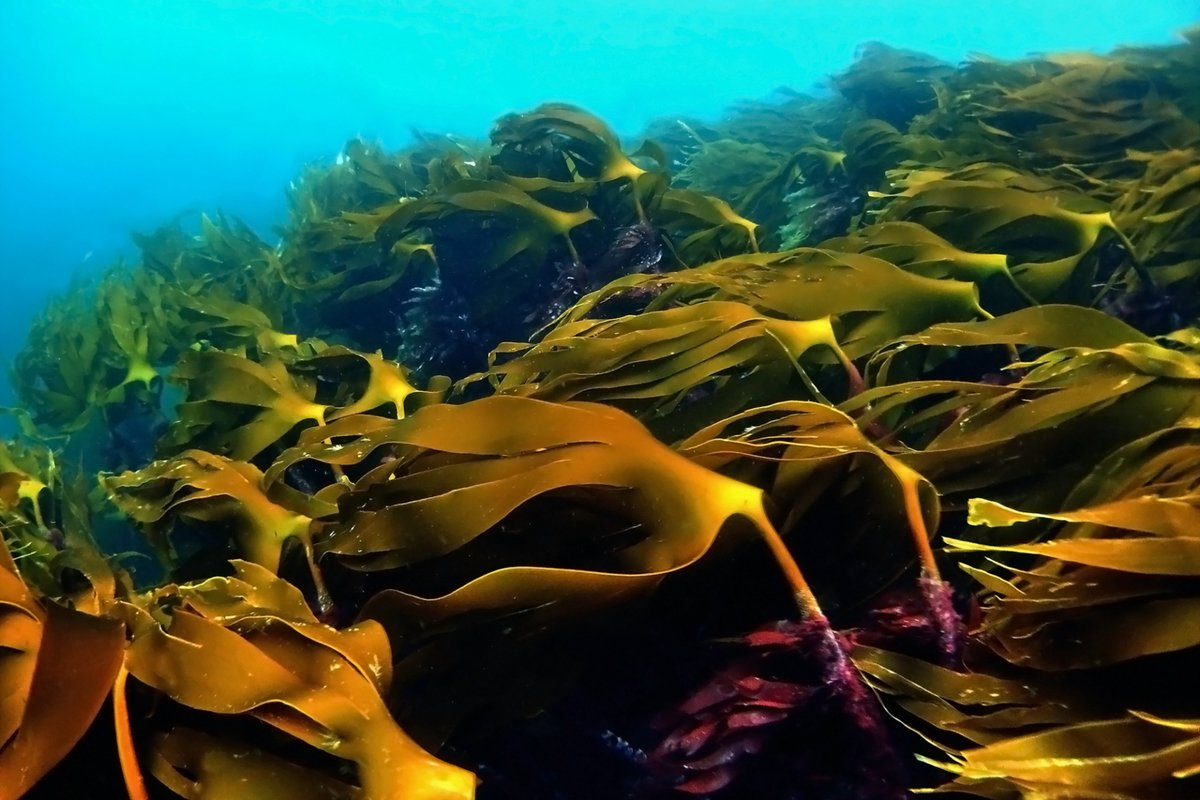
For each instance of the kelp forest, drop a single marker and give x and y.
(843, 449)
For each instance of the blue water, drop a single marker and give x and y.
(118, 114)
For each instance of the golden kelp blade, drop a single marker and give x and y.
(869, 301)
(1113, 595)
(444, 506)
(805, 439)
(249, 645)
(1037, 738)
(1073, 407)
(914, 248)
(239, 407)
(1161, 212)
(200, 486)
(199, 766)
(501, 451)
(1120, 759)
(1048, 235)
(242, 407)
(1121, 577)
(1051, 326)
(649, 362)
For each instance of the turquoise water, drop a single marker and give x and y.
(120, 114)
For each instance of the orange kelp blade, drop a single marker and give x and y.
(249, 646)
(56, 667)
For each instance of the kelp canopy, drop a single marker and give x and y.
(843, 448)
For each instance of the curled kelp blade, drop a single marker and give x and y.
(199, 766)
(917, 249)
(364, 383)
(1051, 326)
(334, 250)
(531, 228)
(892, 84)
(1050, 235)
(1159, 211)
(237, 406)
(978, 706)
(440, 520)
(208, 313)
(76, 360)
(201, 487)
(279, 666)
(1087, 605)
(1125, 758)
(105, 344)
(516, 522)
(869, 300)
(1086, 112)
(704, 227)
(650, 363)
(1120, 577)
(244, 407)
(813, 461)
(1038, 436)
(27, 473)
(46, 514)
(1035, 738)
(560, 142)
(57, 666)
(471, 469)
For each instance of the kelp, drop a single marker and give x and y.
(870, 301)
(1049, 234)
(106, 344)
(1090, 112)
(56, 667)
(712, 406)
(728, 163)
(280, 667)
(31, 506)
(241, 407)
(1104, 377)
(442, 511)
(198, 486)
(1159, 211)
(915, 248)
(653, 362)
(890, 84)
(1120, 564)
(445, 454)
(1114, 581)
(798, 452)
(703, 228)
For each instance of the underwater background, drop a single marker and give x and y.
(441, 401)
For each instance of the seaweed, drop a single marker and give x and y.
(841, 447)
